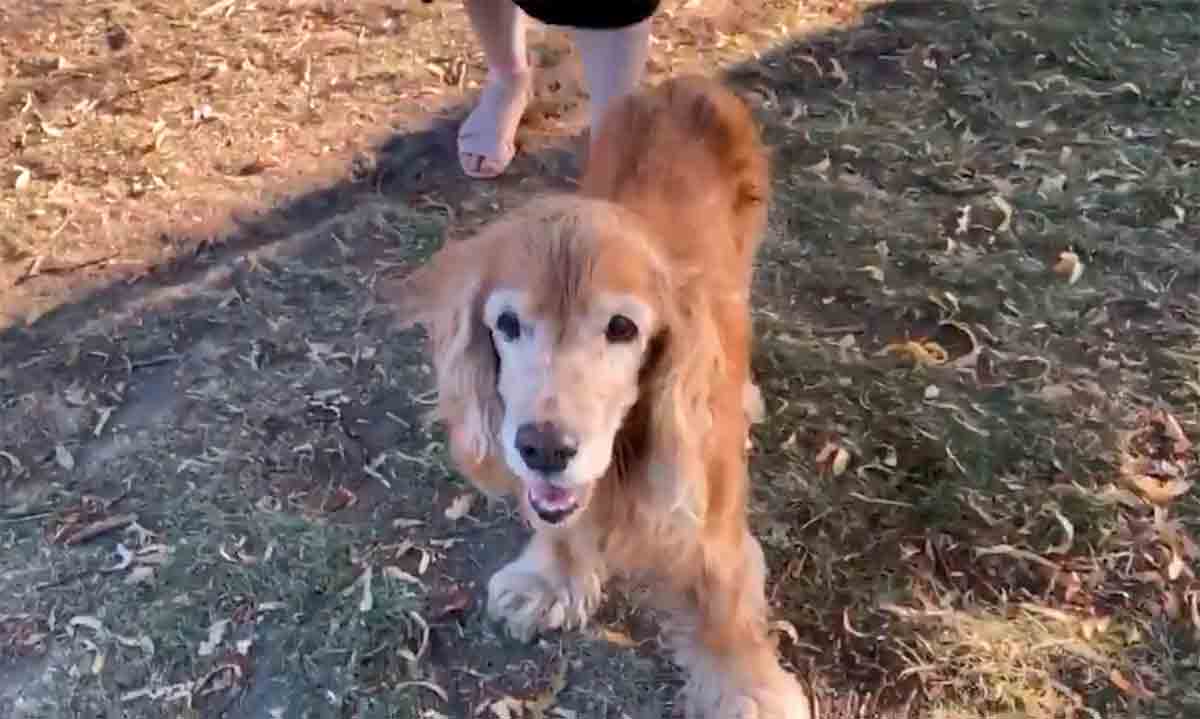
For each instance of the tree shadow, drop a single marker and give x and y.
(933, 71)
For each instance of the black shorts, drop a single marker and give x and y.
(595, 15)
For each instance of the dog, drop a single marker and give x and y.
(592, 359)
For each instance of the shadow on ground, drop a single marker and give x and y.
(947, 521)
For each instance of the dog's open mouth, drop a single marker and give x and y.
(552, 502)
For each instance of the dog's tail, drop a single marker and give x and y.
(670, 152)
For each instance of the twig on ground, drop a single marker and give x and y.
(101, 527)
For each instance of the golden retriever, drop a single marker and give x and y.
(592, 353)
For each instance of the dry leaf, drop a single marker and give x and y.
(508, 708)
(460, 506)
(126, 559)
(963, 223)
(1174, 432)
(1069, 267)
(455, 601)
(143, 642)
(1057, 392)
(833, 458)
(820, 168)
(1052, 184)
(86, 620)
(140, 575)
(23, 178)
(545, 699)
(63, 457)
(874, 271)
(923, 353)
(1004, 207)
(216, 634)
(1068, 535)
(838, 73)
(1129, 688)
(1159, 492)
(394, 572)
(98, 660)
(612, 636)
(342, 499)
(368, 599)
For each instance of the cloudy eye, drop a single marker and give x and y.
(620, 329)
(508, 325)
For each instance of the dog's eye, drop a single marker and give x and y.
(508, 325)
(620, 329)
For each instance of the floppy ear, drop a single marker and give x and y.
(683, 383)
(444, 296)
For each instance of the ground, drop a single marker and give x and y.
(978, 318)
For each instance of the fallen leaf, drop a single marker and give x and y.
(429, 686)
(782, 626)
(1069, 266)
(23, 178)
(1174, 432)
(508, 708)
(820, 168)
(1159, 492)
(97, 660)
(143, 642)
(963, 223)
(216, 634)
(1052, 184)
(368, 599)
(833, 458)
(456, 601)
(545, 699)
(838, 73)
(460, 506)
(394, 572)
(86, 620)
(873, 271)
(124, 561)
(1128, 687)
(63, 457)
(342, 498)
(620, 639)
(923, 353)
(1068, 535)
(1005, 208)
(140, 575)
(1057, 392)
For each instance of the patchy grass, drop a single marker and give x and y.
(984, 278)
(978, 339)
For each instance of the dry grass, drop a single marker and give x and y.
(978, 331)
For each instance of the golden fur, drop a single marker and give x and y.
(670, 212)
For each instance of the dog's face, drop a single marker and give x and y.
(567, 377)
(543, 329)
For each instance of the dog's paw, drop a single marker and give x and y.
(779, 696)
(529, 601)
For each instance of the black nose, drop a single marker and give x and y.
(544, 447)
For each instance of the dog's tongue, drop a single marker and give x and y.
(548, 496)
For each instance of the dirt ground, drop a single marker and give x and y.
(978, 322)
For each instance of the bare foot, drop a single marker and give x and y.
(487, 138)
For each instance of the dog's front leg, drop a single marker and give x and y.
(720, 637)
(554, 584)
